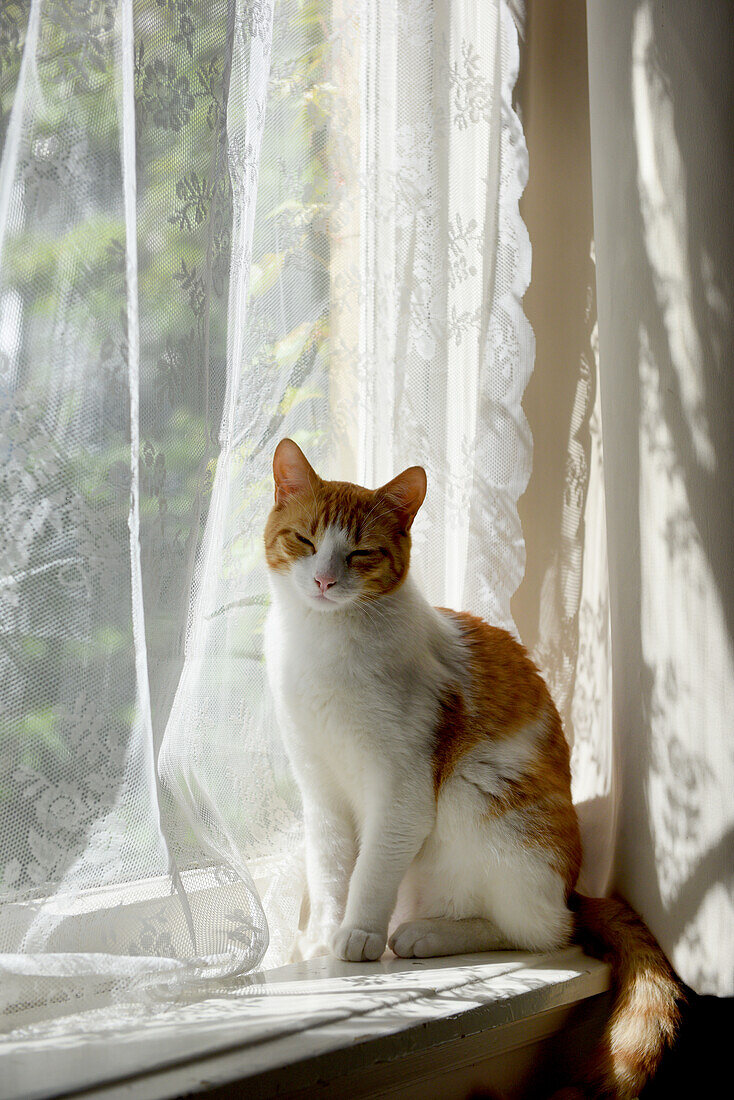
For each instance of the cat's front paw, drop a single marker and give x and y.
(416, 940)
(357, 944)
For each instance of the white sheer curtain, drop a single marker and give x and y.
(124, 180)
(222, 224)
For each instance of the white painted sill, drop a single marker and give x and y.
(408, 1028)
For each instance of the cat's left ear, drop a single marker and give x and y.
(405, 494)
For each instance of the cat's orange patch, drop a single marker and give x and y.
(505, 695)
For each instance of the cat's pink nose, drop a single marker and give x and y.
(325, 580)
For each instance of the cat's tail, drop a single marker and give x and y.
(647, 996)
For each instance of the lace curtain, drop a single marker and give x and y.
(129, 153)
(221, 224)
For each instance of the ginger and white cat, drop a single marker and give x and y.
(432, 763)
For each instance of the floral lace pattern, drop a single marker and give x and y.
(227, 223)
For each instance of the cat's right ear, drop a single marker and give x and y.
(292, 471)
(405, 494)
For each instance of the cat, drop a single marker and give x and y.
(432, 764)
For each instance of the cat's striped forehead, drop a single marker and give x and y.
(350, 509)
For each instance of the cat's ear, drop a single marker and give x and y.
(292, 471)
(405, 494)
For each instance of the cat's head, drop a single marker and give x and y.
(337, 543)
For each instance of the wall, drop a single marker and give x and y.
(661, 75)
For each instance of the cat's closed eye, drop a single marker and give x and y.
(305, 541)
(365, 553)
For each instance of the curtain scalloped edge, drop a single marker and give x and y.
(522, 274)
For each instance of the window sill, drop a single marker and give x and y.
(341, 1029)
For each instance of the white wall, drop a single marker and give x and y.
(661, 82)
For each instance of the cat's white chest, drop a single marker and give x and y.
(317, 672)
(326, 698)
(357, 696)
